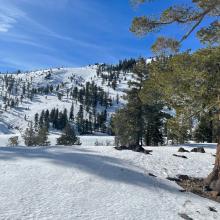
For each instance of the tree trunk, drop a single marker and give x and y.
(213, 180)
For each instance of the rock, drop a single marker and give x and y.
(139, 148)
(148, 151)
(185, 216)
(198, 150)
(175, 155)
(182, 150)
(212, 209)
(150, 174)
(136, 148)
(121, 148)
(183, 177)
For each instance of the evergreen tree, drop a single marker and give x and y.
(181, 14)
(68, 137)
(42, 137)
(79, 119)
(36, 121)
(71, 115)
(204, 131)
(41, 120)
(30, 136)
(189, 84)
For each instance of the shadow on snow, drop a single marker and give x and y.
(109, 168)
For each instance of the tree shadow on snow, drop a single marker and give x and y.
(105, 167)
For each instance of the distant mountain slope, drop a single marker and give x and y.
(25, 94)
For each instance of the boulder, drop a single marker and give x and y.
(198, 150)
(121, 148)
(182, 150)
(136, 148)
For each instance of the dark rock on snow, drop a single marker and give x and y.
(136, 148)
(182, 150)
(198, 150)
(121, 148)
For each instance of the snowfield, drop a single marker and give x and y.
(98, 182)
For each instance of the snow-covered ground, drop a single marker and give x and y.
(98, 182)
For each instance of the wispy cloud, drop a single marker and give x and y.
(8, 16)
(35, 33)
(11, 15)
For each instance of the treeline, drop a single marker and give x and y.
(139, 123)
(172, 98)
(33, 137)
(57, 119)
(112, 74)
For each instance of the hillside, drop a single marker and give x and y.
(23, 95)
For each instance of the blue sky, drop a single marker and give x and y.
(38, 34)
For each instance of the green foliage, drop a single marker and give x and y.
(211, 34)
(68, 137)
(125, 129)
(178, 130)
(42, 137)
(186, 83)
(33, 138)
(165, 46)
(138, 123)
(204, 130)
(180, 14)
(30, 136)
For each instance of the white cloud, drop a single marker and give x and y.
(8, 16)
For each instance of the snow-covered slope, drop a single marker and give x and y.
(96, 183)
(13, 120)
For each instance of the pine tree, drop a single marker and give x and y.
(30, 136)
(42, 137)
(68, 137)
(41, 120)
(79, 119)
(47, 119)
(36, 121)
(71, 115)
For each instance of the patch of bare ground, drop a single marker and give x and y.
(197, 186)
